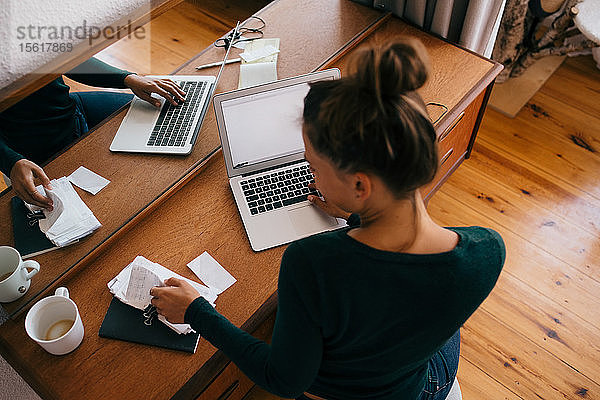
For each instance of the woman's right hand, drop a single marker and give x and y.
(143, 87)
(22, 177)
(329, 208)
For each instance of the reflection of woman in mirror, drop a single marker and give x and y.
(48, 120)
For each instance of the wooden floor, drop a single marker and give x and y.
(535, 179)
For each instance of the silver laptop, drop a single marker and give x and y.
(261, 133)
(168, 129)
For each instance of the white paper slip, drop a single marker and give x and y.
(259, 44)
(257, 74)
(209, 271)
(88, 180)
(254, 55)
(119, 285)
(141, 281)
(240, 45)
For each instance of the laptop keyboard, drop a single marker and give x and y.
(175, 123)
(278, 189)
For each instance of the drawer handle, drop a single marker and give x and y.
(446, 156)
(449, 129)
(229, 391)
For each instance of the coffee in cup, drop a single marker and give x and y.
(58, 329)
(15, 274)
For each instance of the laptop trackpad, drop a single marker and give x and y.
(144, 113)
(309, 219)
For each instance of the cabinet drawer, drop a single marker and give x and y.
(231, 384)
(453, 144)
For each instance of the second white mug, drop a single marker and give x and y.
(55, 324)
(15, 278)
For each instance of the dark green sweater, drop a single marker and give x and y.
(358, 323)
(44, 122)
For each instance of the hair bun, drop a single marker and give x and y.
(400, 66)
(372, 120)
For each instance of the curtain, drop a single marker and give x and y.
(470, 23)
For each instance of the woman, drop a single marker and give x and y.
(51, 118)
(372, 311)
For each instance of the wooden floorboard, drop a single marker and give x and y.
(538, 186)
(532, 182)
(555, 131)
(535, 179)
(518, 363)
(480, 385)
(548, 324)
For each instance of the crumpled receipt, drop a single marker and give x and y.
(70, 218)
(132, 286)
(141, 280)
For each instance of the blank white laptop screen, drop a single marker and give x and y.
(266, 125)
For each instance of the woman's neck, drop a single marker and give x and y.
(403, 226)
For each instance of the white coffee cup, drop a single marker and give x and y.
(55, 324)
(15, 279)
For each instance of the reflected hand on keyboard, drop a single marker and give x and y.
(176, 122)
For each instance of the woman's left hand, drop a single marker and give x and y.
(143, 87)
(328, 207)
(173, 300)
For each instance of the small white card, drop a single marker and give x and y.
(257, 54)
(88, 180)
(209, 271)
(240, 45)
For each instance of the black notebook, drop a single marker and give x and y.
(124, 322)
(30, 241)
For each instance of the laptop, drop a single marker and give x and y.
(261, 134)
(169, 129)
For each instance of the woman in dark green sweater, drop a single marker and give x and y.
(372, 311)
(51, 118)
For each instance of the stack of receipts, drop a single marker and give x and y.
(70, 219)
(132, 286)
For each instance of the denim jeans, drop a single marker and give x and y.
(441, 371)
(93, 107)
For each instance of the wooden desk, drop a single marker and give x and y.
(200, 216)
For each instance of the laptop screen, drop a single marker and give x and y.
(265, 125)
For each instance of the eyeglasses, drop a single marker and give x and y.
(245, 33)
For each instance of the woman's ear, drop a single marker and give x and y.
(363, 186)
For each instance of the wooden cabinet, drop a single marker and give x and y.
(454, 144)
(231, 384)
